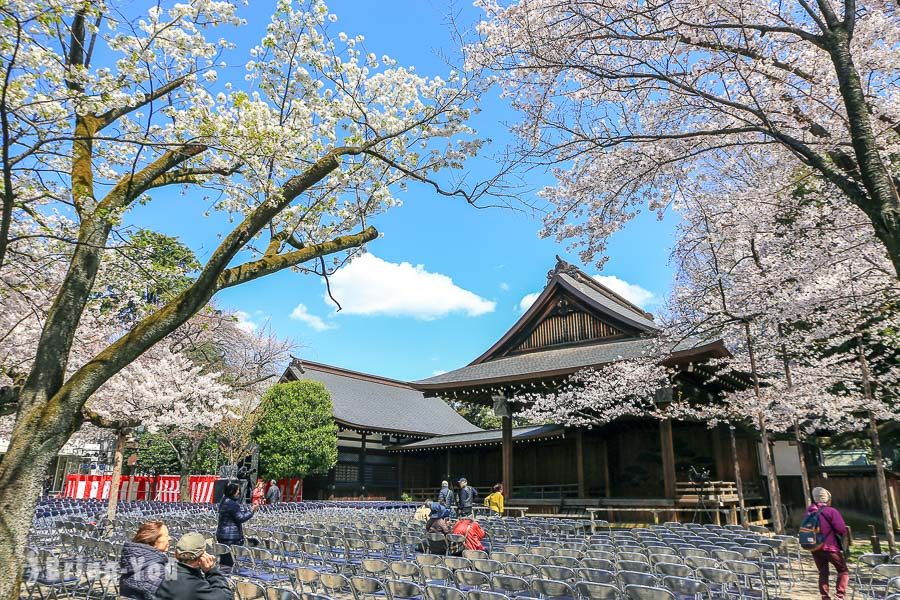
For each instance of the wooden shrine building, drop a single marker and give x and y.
(577, 323)
(399, 437)
(372, 413)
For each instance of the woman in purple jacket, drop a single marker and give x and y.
(831, 525)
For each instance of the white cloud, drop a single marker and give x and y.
(302, 314)
(504, 286)
(527, 300)
(372, 286)
(630, 291)
(244, 322)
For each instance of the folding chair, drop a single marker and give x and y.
(685, 588)
(442, 592)
(436, 575)
(469, 580)
(403, 590)
(510, 585)
(402, 569)
(305, 577)
(366, 586)
(280, 593)
(485, 595)
(518, 569)
(552, 588)
(673, 569)
(596, 591)
(644, 592)
(247, 590)
(335, 583)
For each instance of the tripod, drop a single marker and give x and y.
(701, 479)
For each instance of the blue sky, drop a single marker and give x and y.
(446, 279)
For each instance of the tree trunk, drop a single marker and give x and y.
(771, 477)
(801, 456)
(883, 204)
(184, 485)
(22, 473)
(737, 478)
(116, 475)
(882, 484)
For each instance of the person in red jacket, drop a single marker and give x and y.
(831, 525)
(472, 531)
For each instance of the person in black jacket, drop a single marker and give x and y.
(465, 498)
(232, 516)
(196, 576)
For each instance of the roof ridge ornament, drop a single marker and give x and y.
(562, 267)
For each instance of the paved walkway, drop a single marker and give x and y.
(807, 586)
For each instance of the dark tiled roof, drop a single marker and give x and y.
(374, 403)
(558, 361)
(484, 438)
(619, 307)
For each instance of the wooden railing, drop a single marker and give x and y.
(756, 515)
(546, 492)
(721, 493)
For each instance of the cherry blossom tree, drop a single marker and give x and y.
(770, 264)
(603, 394)
(102, 108)
(165, 391)
(637, 104)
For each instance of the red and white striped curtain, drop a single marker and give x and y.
(138, 487)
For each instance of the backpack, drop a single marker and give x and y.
(810, 535)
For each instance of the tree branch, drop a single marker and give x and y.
(113, 114)
(270, 264)
(133, 185)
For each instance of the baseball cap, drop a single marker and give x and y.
(191, 545)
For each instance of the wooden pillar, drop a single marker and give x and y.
(362, 466)
(477, 474)
(719, 458)
(668, 457)
(507, 457)
(579, 462)
(604, 466)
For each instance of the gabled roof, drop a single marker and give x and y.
(371, 403)
(598, 326)
(488, 437)
(569, 289)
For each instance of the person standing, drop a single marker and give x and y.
(196, 576)
(465, 498)
(273, 496)
(831, 528)
(259, 493)
(232, 516)
(445, 496)
(494, 500)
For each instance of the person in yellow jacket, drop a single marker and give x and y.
(494, 500)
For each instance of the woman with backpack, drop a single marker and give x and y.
(831, 528)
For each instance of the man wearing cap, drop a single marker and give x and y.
(195, 575)
(466, 498)
(832, 528)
